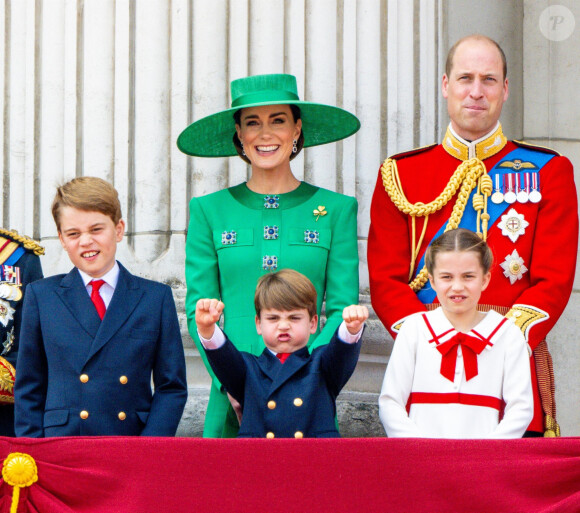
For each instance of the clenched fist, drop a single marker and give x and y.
(354, 317)
(207, 313)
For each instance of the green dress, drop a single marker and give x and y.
(236, 235)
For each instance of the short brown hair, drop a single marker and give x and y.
(476, 37)
(87, 193)
(461, 240)
(285, 290)
(238, 144)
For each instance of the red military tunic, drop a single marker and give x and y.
(537, 292)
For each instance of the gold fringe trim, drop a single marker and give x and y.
(469, 174)
(26, 242)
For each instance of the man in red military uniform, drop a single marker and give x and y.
(522, 199)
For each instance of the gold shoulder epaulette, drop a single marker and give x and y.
(526, 316)
(410, 153)
(543, 149)
(24, 241)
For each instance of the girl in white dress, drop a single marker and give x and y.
(456, 372)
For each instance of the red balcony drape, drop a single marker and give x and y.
(142, 475)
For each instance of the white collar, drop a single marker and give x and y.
(110, 278)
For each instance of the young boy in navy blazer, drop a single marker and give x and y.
(92, 339)
(286, 392)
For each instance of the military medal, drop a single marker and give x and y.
(522, 195)
(513, 225)
(497, 196)
(9, 342)
(10, 292)
(6, 312)
(510, 195)
(535, 195)
(10, 274)
(513, 267)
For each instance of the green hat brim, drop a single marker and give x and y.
(212, 136)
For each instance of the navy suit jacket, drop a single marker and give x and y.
(294, 399)
(71, 363)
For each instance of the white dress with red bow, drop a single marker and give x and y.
(444, 384)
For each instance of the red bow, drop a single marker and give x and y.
(470, 347)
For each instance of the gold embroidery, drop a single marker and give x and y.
(526, 316)
(482, 149)
(26, 242)
(468, 175)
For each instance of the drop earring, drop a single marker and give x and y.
(294, 148)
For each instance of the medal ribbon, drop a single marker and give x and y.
(470, 347)
(509, 182)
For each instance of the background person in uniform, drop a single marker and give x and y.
(286, 392)
(92, 339)
(272, 221)
(520, 198)
(19, 266)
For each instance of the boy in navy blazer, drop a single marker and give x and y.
(92, 339)
(286, 392)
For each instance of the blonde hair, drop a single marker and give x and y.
(285, 290)
(461, 240)
(87, 193)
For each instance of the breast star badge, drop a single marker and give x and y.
(513, 224)
(6, 312)
(513, 267)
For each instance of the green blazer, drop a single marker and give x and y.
(235, 236)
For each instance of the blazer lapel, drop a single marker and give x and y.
(269, 364)
(75, 298)
(125, 299)
(291, 366)
(74, 295)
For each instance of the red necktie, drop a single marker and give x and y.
(283, 356)
(470, 348)
(97, 299)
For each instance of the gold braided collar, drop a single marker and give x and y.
(26, 242)
(482, 148)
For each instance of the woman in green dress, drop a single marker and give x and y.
(270, 222)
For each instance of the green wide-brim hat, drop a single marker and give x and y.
(212, 136)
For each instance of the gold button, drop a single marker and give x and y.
(123, 380)
(298, 434)
(298, 402)
(269, 434)
(271, 405)
(122, 415)
(84, 414)
(84, 378)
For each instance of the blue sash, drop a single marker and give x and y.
(469, 220)
(15, 256)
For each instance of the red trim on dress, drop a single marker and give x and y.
(454, 398)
